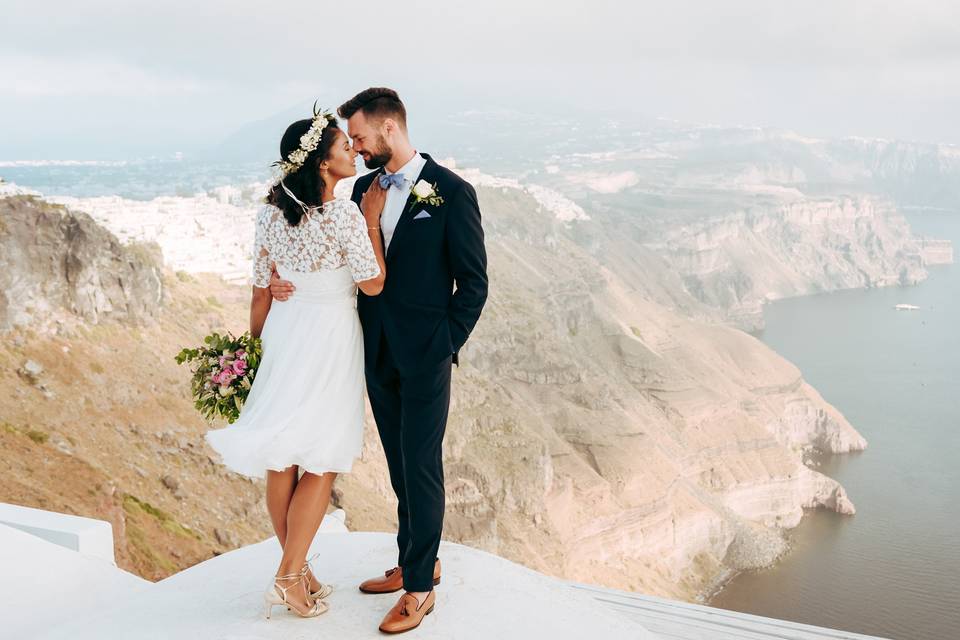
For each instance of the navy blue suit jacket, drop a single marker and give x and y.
(422, 316)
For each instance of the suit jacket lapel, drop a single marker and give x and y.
(428, 173)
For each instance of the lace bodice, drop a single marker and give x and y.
(328, 237)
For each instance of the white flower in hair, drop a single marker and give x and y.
(298, 156)
(308, 142)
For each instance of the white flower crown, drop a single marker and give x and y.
(308, 142)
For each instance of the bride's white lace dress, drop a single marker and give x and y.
(306, 404)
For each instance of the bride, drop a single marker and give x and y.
(302, 423)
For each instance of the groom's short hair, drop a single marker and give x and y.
(376, 102)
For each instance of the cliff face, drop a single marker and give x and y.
(732, 217)
(597, 435)
(935, 251)
(605, 426)
(910, 172)
(738, 261)
(97, 420)
(57, 266)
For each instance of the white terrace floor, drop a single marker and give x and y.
(51, 590)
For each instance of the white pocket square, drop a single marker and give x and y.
(422, 215)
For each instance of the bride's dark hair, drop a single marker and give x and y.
(305, 183)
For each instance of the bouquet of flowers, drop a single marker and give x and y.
(223, 372)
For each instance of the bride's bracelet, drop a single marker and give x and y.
(373, 228)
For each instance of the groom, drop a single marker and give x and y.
(413, 331)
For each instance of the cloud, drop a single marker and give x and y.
(822, 67)
(41, 76)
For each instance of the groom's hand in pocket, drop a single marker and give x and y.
(281, 290)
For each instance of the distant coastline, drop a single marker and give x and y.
(893, 373)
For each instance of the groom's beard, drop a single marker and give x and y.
(379, 156)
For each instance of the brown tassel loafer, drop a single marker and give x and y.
(408, 613)
(392, 580)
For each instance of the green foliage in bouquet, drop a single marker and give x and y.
(223, 372)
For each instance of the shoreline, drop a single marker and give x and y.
(842, 567)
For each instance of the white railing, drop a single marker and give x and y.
(88, 536)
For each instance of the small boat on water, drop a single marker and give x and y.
(906, 307)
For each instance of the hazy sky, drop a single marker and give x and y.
(99, 79)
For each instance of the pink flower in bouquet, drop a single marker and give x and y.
(223, 372)
(223, 377)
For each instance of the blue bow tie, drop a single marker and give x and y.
(388, 180)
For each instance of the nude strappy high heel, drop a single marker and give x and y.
(325, 589)
(277, 594)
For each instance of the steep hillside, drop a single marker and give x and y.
(57, 265)
(594, 434)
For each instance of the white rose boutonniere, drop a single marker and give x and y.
(426, 193)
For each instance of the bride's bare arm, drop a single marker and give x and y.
(260, 303)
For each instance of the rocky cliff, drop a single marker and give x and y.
(738, 261)
(735, 216)
(58, 266)
(936, 251)
(96, 420)
(596, 433)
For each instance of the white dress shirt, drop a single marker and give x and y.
(397, 198)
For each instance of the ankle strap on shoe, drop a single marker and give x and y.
(306, 563)
(291, 576)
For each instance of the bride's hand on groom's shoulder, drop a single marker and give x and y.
(280, 289)
(371, 204)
